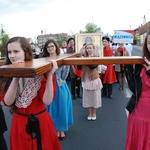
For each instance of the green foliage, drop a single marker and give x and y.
(3, 39)
(60, 39)
(91, 28)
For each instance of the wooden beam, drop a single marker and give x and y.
(32, 68)
(104, 60)
(42, 65)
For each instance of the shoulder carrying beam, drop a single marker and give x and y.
(43, 65)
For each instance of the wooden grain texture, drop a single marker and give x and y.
(32, 68)
(104, 60)
(43, 65)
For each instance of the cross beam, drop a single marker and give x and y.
(42, 65)
(103, 60)
(32, 68)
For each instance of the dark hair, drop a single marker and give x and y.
(5, 82)
(70, 40)
(84, 44)
(45, 52)
(106, 38)
(145, 51)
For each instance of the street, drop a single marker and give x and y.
(107, 132)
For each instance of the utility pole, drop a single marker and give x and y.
(43, 33)
(144, 20)
(144, 23)
(1, 39)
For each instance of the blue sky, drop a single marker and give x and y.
(28, 17)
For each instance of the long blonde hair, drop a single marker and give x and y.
(85, 54)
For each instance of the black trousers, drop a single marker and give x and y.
(3, 145)
(107, 89)
(73, 86)
(78, 85)
(3, 128)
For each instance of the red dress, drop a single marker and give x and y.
(78, 72)
(29, 101)
(138, 131)
(121, 50)
(109, 76)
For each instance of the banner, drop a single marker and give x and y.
(123, 36)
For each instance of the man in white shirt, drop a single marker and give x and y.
(129, 48)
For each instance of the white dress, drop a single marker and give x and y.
(91, 92)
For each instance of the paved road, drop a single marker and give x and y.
(137, 50)
(108, 132)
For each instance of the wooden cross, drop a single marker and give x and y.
(43, 65)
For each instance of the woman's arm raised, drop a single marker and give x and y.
(49, 91)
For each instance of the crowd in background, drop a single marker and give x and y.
(76, 81)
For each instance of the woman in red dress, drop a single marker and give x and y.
(138, 128)
(109, 76)
(31, 127)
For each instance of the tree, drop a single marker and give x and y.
(91, 28)
(61, 38)
(3, 39)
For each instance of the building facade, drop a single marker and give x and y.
(140, 33)
(41, 39)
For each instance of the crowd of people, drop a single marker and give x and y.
(41, 107)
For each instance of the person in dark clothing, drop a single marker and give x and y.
(73, 78)
(78, 80)
(71, 45)
(3, 128)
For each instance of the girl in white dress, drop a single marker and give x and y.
(91, 84)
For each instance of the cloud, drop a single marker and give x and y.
(28, 18)
(16, 6)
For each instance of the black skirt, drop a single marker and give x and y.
(3, 125)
